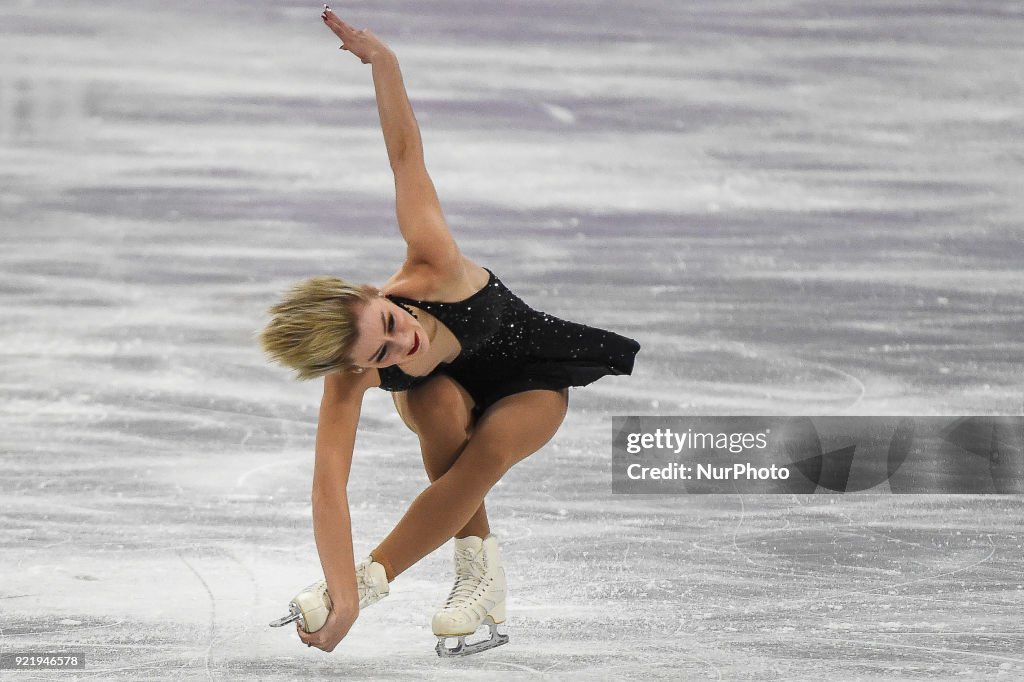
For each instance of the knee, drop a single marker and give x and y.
(439, 405)
(489, 460)
(499, 463)
(438, 460)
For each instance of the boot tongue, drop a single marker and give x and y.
(466, 551)
(377, 577)
(471, 542)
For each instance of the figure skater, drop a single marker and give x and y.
(480, 377)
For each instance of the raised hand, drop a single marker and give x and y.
(362, 43)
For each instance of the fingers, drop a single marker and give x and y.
(342, 24)
(308, 638)
(331, 20)
(342, 29)
(341, 33)
(350, 37)
(333, 25)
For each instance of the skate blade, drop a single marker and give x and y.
(461, 648)
(294, 614)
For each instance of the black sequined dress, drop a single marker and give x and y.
(508, 347)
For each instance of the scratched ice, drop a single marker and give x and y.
(804, 208)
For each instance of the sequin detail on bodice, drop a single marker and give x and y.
(508, 344)
(472, 321)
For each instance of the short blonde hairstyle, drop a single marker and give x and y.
(313, 328)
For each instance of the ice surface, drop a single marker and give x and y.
(798, 208)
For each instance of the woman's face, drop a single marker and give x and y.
(388, 335)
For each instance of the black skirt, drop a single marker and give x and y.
(545, 353)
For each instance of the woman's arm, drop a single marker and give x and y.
(332, 525)
(420, 217)
(397, 121)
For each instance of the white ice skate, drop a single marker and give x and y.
(309, 607)
(312, 606)
(477, 598)
(372, 582)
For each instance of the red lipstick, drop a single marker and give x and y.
(415, 343)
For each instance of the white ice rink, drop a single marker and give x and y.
(795, 207)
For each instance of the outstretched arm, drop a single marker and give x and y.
(420, 218)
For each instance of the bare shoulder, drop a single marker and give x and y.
(431, 283)
(349, 387)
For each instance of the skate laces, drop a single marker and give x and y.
(469, 570)
(365, 584)
(368, 593)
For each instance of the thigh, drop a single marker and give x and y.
(516, 426)
(439, 404)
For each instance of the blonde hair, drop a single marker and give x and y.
(313, 328)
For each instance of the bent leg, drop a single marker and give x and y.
(440, 413)
(511, 430)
